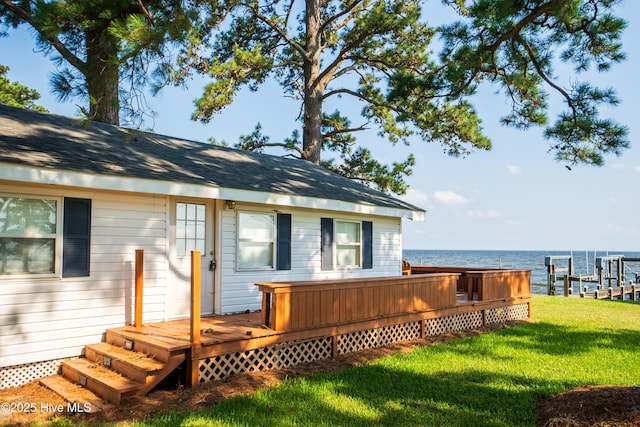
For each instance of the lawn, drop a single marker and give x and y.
(491, 379)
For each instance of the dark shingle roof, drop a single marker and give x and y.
(57, 142)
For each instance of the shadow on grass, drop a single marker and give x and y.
(384, 396)
(551, 339)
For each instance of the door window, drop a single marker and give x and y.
(190, 228)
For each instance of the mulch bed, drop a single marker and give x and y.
(591, 406)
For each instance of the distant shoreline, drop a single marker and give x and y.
(516, 259)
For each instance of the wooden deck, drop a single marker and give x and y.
(300, 310)
(299, 322)
(241, 332)
(327, 314)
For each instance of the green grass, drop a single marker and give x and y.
(493, 379)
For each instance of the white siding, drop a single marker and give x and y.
(238, 290)
(43, 319)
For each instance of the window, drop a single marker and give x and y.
(351, 241)
(347, 238)
(256, 232)
(28, 232)
(190, 228)
(33, 242)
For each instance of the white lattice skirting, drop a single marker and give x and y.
(295, 352)
(372, 338)
(14, 376)
(279, 356)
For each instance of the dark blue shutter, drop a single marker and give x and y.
(76, 237)
(367, 244)
(326, 243)
(283, 239)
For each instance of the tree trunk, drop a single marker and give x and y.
(102, 76)
(313, 89)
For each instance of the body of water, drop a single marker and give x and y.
(583, 262)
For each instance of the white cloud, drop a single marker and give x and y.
(636, 169)
(449, 198)
(513, 169)
(477, 213)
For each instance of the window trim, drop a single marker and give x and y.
(273, 241)
(57, 236)
(336, 245)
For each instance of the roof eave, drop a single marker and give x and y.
(47, 176)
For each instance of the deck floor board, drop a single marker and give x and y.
(175, 334)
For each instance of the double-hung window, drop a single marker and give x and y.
(348, 244)
(28, 235)
(256, 239)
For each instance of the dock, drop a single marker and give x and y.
(609, 280)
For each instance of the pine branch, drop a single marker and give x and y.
(53, 40)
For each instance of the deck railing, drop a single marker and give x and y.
(300, 305)
(498, 284)
(487, 283)
(313, 304)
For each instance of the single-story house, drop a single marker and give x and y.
(77, 199)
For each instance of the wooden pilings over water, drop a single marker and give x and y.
(609, 278)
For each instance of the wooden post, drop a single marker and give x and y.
(620, 273)
(334, 346)
(192, 359)
(266, 309)
(195, 297)
(139, 286)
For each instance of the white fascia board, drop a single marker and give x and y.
(34, 175)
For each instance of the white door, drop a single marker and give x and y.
(192, 228)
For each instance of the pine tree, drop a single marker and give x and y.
(90, 42)
(15, 94)
(380, 52)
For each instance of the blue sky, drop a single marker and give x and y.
(515, 196)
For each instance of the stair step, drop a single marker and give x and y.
(132, 364)
(102, 381)
(142, 344)
(80, 399)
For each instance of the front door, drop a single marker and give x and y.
(192, 228)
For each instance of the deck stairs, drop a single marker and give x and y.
(124, 365)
